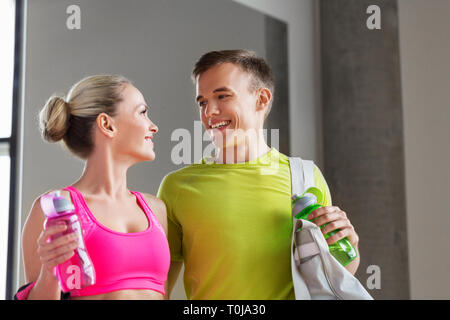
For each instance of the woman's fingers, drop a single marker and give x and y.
(50, 231)
(47, 255)
(60, 241)
(58, 250)
(52, 263)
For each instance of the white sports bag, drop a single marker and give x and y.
(316, 274)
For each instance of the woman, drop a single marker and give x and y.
(103, 120)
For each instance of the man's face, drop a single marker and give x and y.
(227, 106)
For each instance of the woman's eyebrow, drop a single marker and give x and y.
(142, 104)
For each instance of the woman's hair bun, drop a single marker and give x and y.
(54, 119)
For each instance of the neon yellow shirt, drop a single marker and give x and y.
(231, 224)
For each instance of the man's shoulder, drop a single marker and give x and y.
(179, 173)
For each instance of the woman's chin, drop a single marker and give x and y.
(149, 156)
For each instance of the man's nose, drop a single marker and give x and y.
(211, 109)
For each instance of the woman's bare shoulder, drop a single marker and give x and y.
(155, 201)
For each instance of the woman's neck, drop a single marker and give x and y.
(104, 175)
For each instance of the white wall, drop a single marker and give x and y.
(425, 70)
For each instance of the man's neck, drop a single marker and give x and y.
(243, 152)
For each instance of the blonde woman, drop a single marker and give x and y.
(104, 120)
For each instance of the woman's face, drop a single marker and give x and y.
(135, 130)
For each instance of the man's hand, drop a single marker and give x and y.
(336, 219)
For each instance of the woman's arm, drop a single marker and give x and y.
(41, 256)
(159, 209)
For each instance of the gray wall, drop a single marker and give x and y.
(424, 55)
(363, 140)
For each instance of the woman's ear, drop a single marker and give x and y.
(264, 97)
(106, 125)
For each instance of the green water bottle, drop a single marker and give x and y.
(303, 205)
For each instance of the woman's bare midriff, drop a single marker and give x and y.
(124, 295)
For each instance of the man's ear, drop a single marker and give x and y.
(264, 98)
(106, 125)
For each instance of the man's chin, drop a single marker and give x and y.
(223, 143)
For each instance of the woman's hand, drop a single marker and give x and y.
(56, 251)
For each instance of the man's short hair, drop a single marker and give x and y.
(256, 67)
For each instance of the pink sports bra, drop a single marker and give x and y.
(122, 261)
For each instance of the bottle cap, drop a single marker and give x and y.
(53, 205)
(62, 204)
(307, 200)
(303, 202)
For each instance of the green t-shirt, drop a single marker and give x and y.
(231, 224)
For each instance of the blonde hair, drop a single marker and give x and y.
(72, 118)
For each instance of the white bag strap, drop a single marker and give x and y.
(302, 174)
(302, 177)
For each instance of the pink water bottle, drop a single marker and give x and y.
(77, 272)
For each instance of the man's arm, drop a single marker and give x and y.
(333, 218)
(353, 266)
(174, 271)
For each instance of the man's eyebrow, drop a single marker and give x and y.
(221, 89)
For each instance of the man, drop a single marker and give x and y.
(230, 221)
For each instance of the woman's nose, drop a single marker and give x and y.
(153, 128)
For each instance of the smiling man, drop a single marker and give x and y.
(228, 220)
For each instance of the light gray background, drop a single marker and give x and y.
(155, 44)
(424, 50)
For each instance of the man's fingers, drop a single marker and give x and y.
(335, 225)
(338, 236)
(327, 218)
(321, 211)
